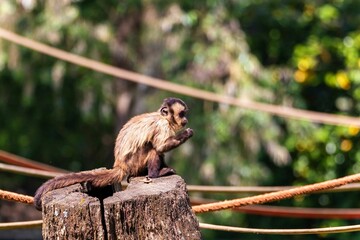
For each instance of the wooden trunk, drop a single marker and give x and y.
(156, 210)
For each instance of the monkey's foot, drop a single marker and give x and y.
(166, 171)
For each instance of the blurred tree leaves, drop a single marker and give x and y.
(301, 54)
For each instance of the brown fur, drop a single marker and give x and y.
(140, 146)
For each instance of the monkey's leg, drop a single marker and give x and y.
(154, 165)
(173, 142)
(157, 167)
(165, 169)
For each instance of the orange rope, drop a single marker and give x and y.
(260, 189)
(24, 162)
(259, 199)
(325, 230)
(21, 225)
(28, 171)
(276, 196)
(282, 111)
(291, 212)
(11, 196)
(296, 212)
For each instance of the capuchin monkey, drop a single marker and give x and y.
(140, 146)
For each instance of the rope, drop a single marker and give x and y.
(282, 111)
(327, 230)
(28, 171)
(291, 212)
(16, 197)
(276, 196)
(259, 199)
(260, 189)
(236, 203)
(191, 188)
(296, 212)
(24, 162)
(21, 225)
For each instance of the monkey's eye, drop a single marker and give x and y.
(164, 111)
(182, 114)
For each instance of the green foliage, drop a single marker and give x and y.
(302, 54)
(52, 111)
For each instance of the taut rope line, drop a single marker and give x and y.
(276, 196)
(282, 111)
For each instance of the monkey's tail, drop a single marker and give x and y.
(96, 178)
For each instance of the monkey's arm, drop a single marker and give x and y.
(173, 142)
(156, 164)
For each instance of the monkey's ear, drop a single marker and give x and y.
(164, 111)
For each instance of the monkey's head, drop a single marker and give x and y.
(174, 110)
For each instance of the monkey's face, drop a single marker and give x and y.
(174, 110)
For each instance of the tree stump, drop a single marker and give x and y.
(156, 210)
(69, 213)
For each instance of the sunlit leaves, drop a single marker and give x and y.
(327, 13)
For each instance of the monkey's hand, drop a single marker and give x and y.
(174, 141)
(190, 132)
(185, 135)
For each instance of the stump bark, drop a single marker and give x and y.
(156, 210)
